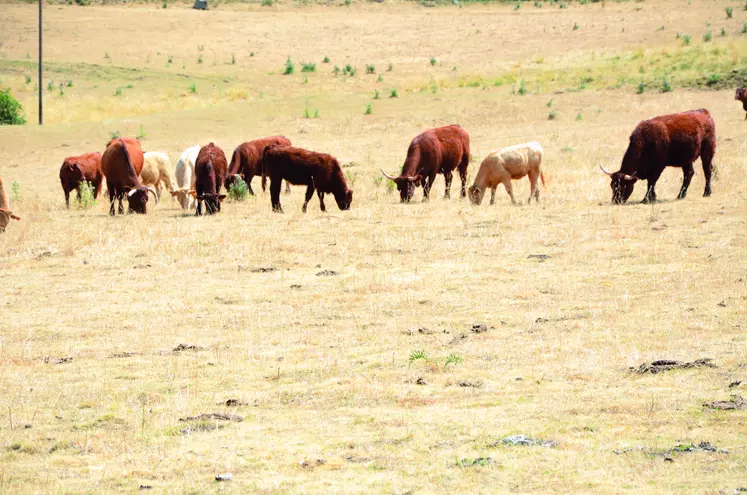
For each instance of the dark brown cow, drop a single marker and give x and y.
(742, 96)
(675, 140)
(317, 171)
(435, 151)
(210, 172)
(121, 164)
(247, 161)
(76, 169)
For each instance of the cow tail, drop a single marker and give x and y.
(542, 177)
(264, 170)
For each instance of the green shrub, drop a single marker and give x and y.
(308, 67)
(142, 134)
(575, 26)
(28, 79)
(708, 36)
(641, 87)
(199, 58)
(666, 87)
(193, 88)
(349, 70)
(729, 12)
(713, 79)
(369, 109)
(118, 92)
(552, 115)
(289, 67)
(686, 38)
(336, 70)
(380, 78)
(238, 191)
(376, 95)
(266, 3)
(326, 60)
(50, 86)
(744, 28)
(393, 93)
(86, 199)
(16, 188)
(549, 104)
(370, 69)
(723, 32)
(522, 88)
(433, 61)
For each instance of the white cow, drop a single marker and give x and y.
(185, 177)
(506, 164)
(156, 172)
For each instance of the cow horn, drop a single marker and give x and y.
(154, 193)
(605, 170)
(629, 177)
(131, 192)
(387, 175)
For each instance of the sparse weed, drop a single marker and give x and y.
(522, 89)
(552, 115)
(686, 39)
(369, 110)
(641, 87)
(433, 61)
(28, 79)
(326, 60)
(86, 199)
(666, 87)
(376, 94)
(380, 78)
(336, 70)
(549, 103)
(579, 116)
(349, 70)
(308, 67)
(233, 59)
(393, 93)
(238, 191)
(729, 12)
(16, 188)
(142, 134)
(370, 69)
(199, 59)
(289, 67)
(50, 86)
(193, 88)
(389, 67)
(575, 26)
(713, 79)
(106, 55)
(118, 92)
(723, 32)
(708, 36)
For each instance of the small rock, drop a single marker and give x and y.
(479, 461)
(311, 464)
(541, 257)
(224, 477)
(525, 440)
(735, 384)
(478, 328)
(519, 379)
(234, 403)
(735, 403)
(187, 347)
(146, 487)
(326, 273)
(722, 304)
(263, 270)
(421, 381)
(295, 286)
(472, 384)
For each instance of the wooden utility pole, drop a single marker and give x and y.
(41, 120)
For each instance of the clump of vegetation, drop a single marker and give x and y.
(266, 3)
(522, 89)
(336, 70)
(452, 359)
(393, 93)
(389, 67)
(50, 86)
(380, 78)
(70, 84)
(289, 67)
(142, 134)
(686, 39)
(233, 59)
(713, 79)
(114, 135)
(326, 60)
(238, 191)
(549, 103)
(16, 188)
(11, 110)
(433, 61)
(193, 88)
(349, 70)
(729, 12)
(666, 87)
(744, 27)
(118, 92)
(27, 78)
(199, 58)
(723, 32)
(170, 59)
(575, 26)
(308, 67)
(370, 69)
(86, 200)
(164, 4)
(579, 116)
(563, 5)
(106, 55)
(376, 94)
(552, 115)
(708, 36)
(369, 110)
(641, 87)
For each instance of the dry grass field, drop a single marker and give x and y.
(113, 331)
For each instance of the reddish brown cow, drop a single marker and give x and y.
(210, 172)
(675, 140)
(742, 96)
(435, 151)
(76, 169)
(247, 161)
(317, 171)
(121, 164)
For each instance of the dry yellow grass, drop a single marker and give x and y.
(321, 362)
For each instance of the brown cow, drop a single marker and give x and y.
(435, 151)
(742, 96)
(5, 214)
(247, 161)
(121, 163)
(675, 140)
(210, 172)
(317, 171)
(76, 169)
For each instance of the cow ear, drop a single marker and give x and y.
(193, 193)
(221, 197)
(417, 179)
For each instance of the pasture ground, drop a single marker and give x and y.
(309, 321)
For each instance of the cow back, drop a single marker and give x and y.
(122, 162)
(211, 167)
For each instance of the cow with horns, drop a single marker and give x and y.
(742, 96)
(435, 151)
(675, 140)
(121, 164)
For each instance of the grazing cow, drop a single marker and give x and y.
(247, 161)
(156, 172)
(5, 214)
(121, 163)
(185, 177)
(435, 151)
(742, 96)
(675, 140)
(317, 171)
(503, 165)
(210, 172)
(76, 169)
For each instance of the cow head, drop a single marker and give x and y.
(475, 194)
(405, 185)
(345, 199)
(138, 199)
(183, 196)
(212, 201)
(5, 217)
(622, 185)
(741, 95)
(74, 171)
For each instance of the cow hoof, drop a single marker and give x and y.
(707, 194)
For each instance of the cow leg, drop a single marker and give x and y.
(492, 195)
(533, 188)
(198, 211)
(249, 184)
(67, 199)
(120, 197)
(448, 176)
(427, 184)
(275, 184)
(650, 196)
(509, 190)
(309, 195)
(321, 200)
(96, 190)
(111, 200)
(687, 175)
(463, 177)
(706, 157)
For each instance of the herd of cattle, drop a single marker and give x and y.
(675, 140)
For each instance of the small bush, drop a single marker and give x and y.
(326, 60)
(369, 110)
(50, 86)
(171, 59)
(376, 95)
(552, 115)
(193, 88)
(336, 70)
(522, 88)
(349, 70)
(744, 28)
(238, 191)
(114, 135)
(28, 79)
(729, 12)
(118, 92)
(713, 79)
(16, 188)
(199, 59)
(666, 87)
(308, 67)
(393, 93)
(517, 6)
(86, 200)
(70, 84)
(370, 69)
(11, 110)
(433, 61)
(708, 36)
(579, 116)
(686, 38)
(549, 104)
(164, 5)
(289, 67)
(641, 87)
(62, 89)
(563, 5)
(723, 32)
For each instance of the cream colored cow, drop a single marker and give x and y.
(507, 164)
